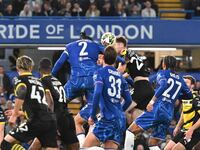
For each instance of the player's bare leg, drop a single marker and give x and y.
(35, 145)
(196, 147)
(10, 142)
(153, 142)
(91, 140)
(129, 112)
(2, 124)
(48, 148)
(134, 128)
(170, 145)
(130, 135)
(179, 146)
(111, 145)
(74, 146)
(136, 113)
(79, 122)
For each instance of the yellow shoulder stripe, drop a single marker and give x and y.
(20, 84)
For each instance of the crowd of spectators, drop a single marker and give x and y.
(192, 5)
(88, 8)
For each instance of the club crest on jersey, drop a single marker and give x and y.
(94, 77)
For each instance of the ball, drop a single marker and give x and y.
(108, 39)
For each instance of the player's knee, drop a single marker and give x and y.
(78, 120)
(6, 145)
(170, 145)
(179, 146)
(167, 148)
(153, 141)
(134, 128)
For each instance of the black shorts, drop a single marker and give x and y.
(188, 145)
(66, 128)
(143, 92)
(45, 131)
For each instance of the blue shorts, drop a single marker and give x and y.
(110, 130)
(155, 120)
(85, 112)
(79, 86)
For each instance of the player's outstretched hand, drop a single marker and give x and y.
(188, 134)
(90, 121)
(121, 68)
(149, 107)
(126, 75)
(12, 120)
(8, 113)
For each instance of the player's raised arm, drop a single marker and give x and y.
(20, 93)
(64, 57)
(162, 82)
(126, 95)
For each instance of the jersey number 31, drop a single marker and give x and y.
(115, 89)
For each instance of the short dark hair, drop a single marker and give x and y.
(110, 55)
(45, 65)
(121, 39)
(191, 78)
(170, 62)
(83, 35)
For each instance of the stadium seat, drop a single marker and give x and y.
(170, 5)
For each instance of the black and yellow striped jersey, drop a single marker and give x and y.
(191, 111)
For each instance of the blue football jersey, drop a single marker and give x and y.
(173, 86)
(170, 87)
(82, 56)
(113, 87)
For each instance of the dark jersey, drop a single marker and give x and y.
(57, 91)
(30, 89)
(137, 67)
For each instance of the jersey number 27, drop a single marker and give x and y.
(172, 83)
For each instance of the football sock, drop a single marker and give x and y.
(81, 139)
(129, 140)
(8, 146)
(154, 148)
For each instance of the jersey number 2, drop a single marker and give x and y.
(138, 62)
(84, 46)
